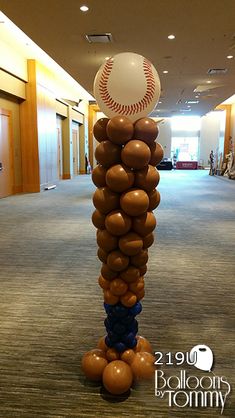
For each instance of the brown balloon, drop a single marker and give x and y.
(120, 129)
(117, 222)
(106, 241)
(137, 286)
(147, 178)
(128, 299)
(105, 200)
(154, 200)
(98, 176)
(118, 287)
(98, 219)
(128, 356)
(130, 244)
(134, 202)
(119, 178)
(143, 270)
(144, 224)
(107, 273)
(101, 344)
(110, 298)
(102, 255)
(117, 377)
(157, 154)
(148, 240)
(142, 365)
(140, 259)
(99, 129)
(117, 261)
(140, 295)
(146, 129)
(112, 354)
(104, 283)
(131, 274)
(136, 154)
(93, 364)
(143, 345)
(107, 153)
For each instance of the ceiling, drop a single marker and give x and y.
(204, 36)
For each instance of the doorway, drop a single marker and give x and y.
(59, 131)
(185, 148)
(6, 160)
(75, 139)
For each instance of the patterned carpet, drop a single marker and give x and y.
(51, 306)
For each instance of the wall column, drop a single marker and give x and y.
(29, 134)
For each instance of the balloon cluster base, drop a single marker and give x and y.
(118, 371)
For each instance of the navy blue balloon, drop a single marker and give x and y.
(112, 320)
(114, 338)
(119, 328)
(108, 325)
(128, 320)
(108, 342)
(128, 339)
(136, 309)
(120, 311)
(120, 347)
(132, 343)
(107, 307)
(133, 326)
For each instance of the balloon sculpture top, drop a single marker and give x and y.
(127, 85)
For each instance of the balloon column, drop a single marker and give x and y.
(127, 88)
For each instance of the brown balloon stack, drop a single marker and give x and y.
(126, 178)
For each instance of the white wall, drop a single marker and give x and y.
(12, 61)
(164, 137)
(211, 135)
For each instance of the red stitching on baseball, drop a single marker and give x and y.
(132, 108)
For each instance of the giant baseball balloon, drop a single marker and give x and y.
(127, 85)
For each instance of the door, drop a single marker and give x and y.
(6, 160)
(75, 152)
(59, 154)
(59, 130)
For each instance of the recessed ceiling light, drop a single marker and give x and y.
(171, 37)
(209, 82)
(165, 72)
(193, 101)
(84, 8)
(229, 57)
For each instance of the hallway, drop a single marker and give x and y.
(51, 306)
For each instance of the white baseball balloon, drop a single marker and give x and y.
(127, 85)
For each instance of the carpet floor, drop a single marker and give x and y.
(51, 309)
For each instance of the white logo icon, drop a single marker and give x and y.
(202, 356)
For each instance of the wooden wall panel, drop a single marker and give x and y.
(227, 134)
(29, 134)
(93, 109)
